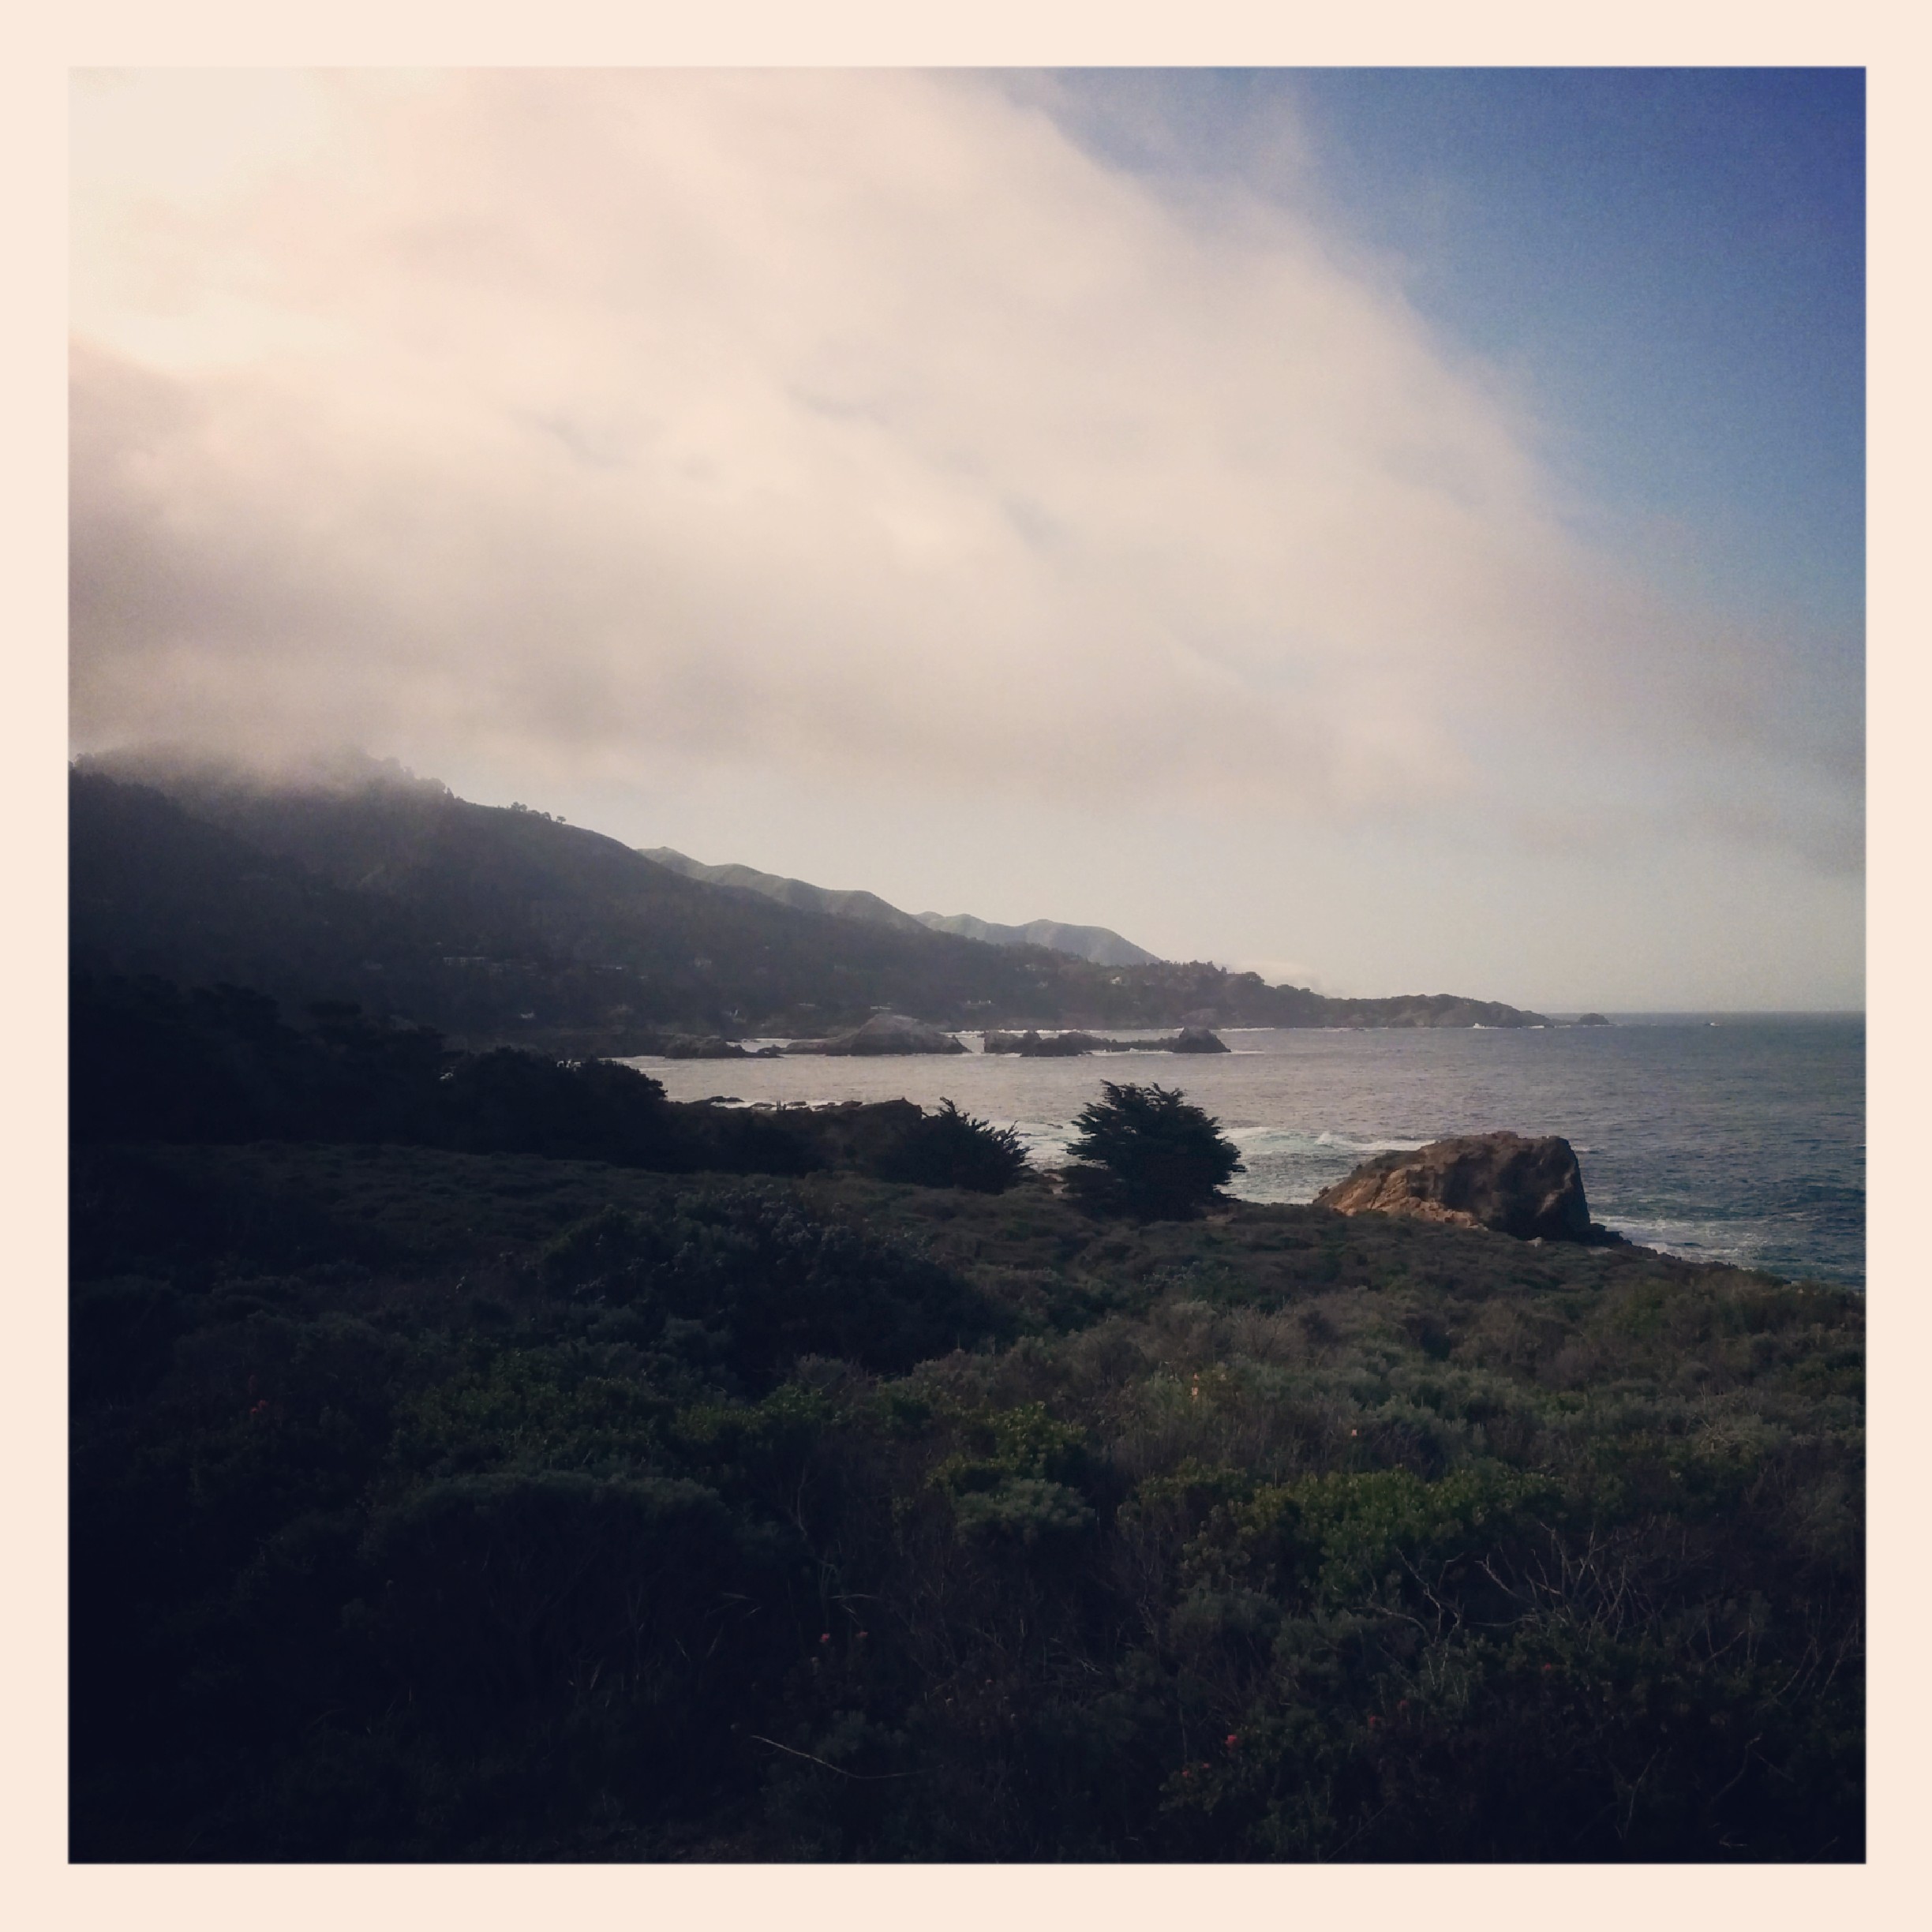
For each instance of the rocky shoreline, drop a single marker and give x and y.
(890, 1033)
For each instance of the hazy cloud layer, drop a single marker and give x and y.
(827, 423)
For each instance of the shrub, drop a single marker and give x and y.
(1147, 1150)
(1022, 1507)
(498, 1589)
(770, 1282)
(952, 1149)
(510, 1102)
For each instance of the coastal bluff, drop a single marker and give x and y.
(1511, 1185)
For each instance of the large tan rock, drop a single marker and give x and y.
(1530, 1189)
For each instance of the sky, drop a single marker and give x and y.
(1398, 531)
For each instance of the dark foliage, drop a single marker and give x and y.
(752, 1284)
(1147, 1151)
(149, 1062)
(952, 1149)
(429, 1505)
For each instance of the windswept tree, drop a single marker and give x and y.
(1147, 1150)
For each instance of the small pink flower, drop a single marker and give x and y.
(1234, 1739)
(824, 1637)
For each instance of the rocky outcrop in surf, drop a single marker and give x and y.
(1531, 1188)
(709, 1046)
(1033, 1045)
(884, 1033)
(1197, 1039)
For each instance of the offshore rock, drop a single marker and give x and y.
(893, 1033)
(1034, 1045)
(1198, 1039)
(1532, 1189)
(702, 1047)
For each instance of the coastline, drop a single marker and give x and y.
(1741, 1144)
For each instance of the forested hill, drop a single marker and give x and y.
(498, 924)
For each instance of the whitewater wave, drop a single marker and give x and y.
(1732, 1242)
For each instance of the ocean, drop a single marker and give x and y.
(1719, 1137)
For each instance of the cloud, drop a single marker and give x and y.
(824, 422)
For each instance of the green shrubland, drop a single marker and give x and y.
(431, 1504)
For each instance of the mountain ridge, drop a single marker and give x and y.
(1100, 944)
(503, 925)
